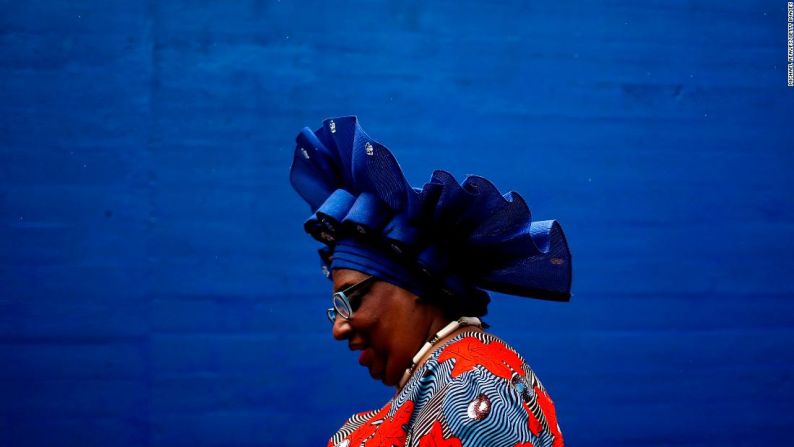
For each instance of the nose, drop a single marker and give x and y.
(342, 328)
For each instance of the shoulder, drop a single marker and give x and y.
(480, 350)
(490, 397)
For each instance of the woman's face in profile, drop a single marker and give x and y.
(387, 325)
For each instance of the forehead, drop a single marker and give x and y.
(346, 277)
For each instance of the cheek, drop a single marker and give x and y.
(365, 325)
(378, 336)
(380, 321)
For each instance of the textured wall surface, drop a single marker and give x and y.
(156, 288)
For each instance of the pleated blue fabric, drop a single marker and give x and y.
(456, 239)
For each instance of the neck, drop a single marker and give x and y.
(441, 335)
(436, 325)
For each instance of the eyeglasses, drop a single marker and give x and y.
(341, 300)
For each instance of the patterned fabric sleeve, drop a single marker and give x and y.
(497, 404)
(475, 392)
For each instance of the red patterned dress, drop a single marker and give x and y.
(473, 391)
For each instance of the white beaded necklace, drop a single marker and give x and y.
(446, 330)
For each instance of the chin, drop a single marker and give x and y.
(392, 376)
(384, 376)
(389, 381)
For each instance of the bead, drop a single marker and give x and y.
(369, 149)
(305, 153)
(518, 384)
(479, 408)
(521, 386)
(332, 125)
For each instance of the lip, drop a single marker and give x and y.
(365, 359)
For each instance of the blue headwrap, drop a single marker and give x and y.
(449, 238)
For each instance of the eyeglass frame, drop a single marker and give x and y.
(343, 297)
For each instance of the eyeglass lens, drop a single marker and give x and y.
(341, 305)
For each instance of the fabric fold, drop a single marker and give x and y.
(443, 238)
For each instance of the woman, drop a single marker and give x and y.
(409, 268)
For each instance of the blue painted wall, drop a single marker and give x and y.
(156, 288)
